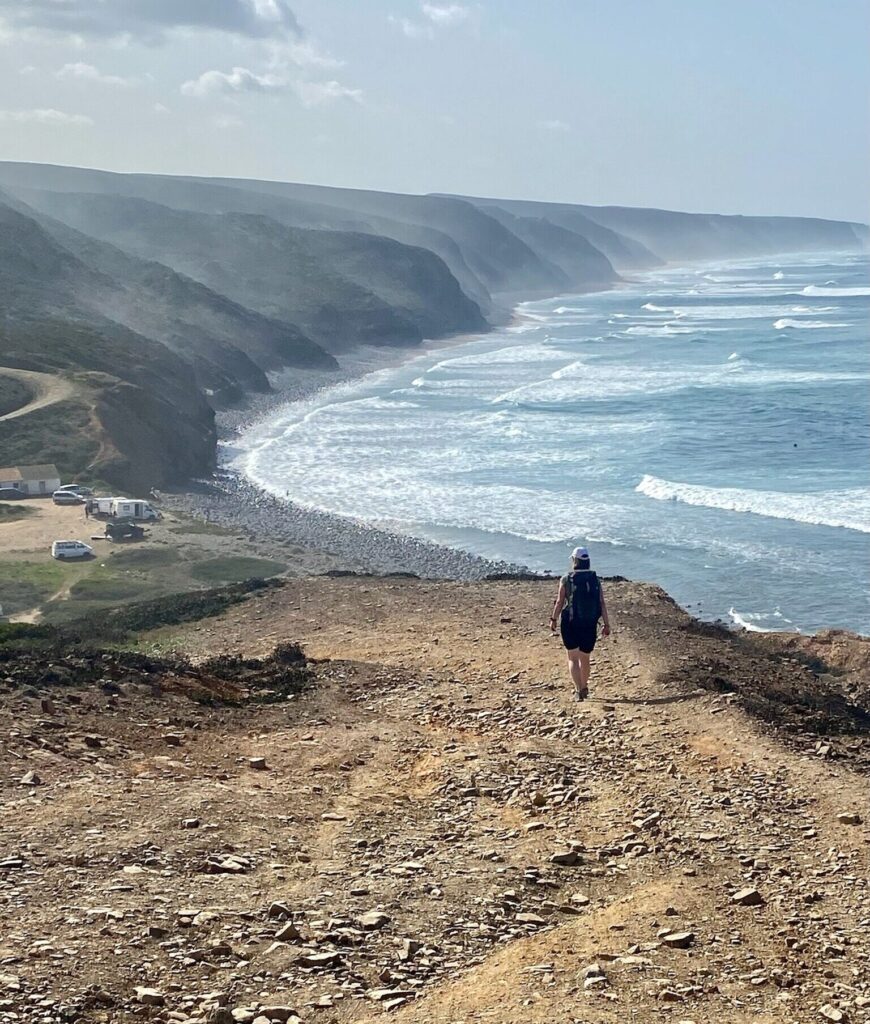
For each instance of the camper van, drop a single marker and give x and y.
(101, 506)
(132, 508)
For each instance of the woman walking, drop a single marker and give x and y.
(579, 605)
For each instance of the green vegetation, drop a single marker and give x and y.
(24, 585)
(14, 393)
(121, 625)
(144, 559)
(61, 433)
(106, 587)
(234, 567)
(9, 513)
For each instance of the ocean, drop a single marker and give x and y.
(706, 428)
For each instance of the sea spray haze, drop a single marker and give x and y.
(705, 427)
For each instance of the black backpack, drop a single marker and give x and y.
(583, 596)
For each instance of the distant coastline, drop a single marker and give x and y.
(370, 361)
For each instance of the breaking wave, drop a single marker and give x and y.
(849, 509)
(750, 620)
(804, 325)
(821, 289)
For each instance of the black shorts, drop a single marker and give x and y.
(579, 635)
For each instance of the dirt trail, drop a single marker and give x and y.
(432, 775)
(48, 390)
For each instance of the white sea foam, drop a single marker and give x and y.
(805, 325)
(748, 621)
(778, 276)
(817, 289)
(737, 312)
(734, 355)
(580, 381)
(666, 330)
(657, 309)
(507, 356)
(849, 509)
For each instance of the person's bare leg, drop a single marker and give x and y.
(575, 669)
(585, 669)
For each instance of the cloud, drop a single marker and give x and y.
(242, 80)
(238, 80)
(445, 14)
(304, 54)
(160, 108)
(149, 21)
(312, 94)
(555, 125)
(411, 29)
(45, 115)
(434, 17)
(89, 73)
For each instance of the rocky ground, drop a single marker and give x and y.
(320, 541)
(425, 825)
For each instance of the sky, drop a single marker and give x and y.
(727, 106)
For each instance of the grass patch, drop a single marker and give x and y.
(23, 585)
(9, 513)
(235, 568)
(100, 587)
(144, 558)
(120, 624)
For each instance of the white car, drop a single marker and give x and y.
(67, 498)
(71, 549)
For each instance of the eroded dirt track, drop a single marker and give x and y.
(449, 836)
(48, 389)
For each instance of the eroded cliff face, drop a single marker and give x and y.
(153, 442)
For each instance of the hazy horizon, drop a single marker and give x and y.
(760, 111)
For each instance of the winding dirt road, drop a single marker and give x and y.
(48, 390)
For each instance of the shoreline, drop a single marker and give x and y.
(330, 541)
(324, 541)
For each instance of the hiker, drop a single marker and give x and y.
(580, 603)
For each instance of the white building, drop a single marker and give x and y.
(31, 480)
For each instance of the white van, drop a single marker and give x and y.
(133, 508)
(62, 549)
(101, 506)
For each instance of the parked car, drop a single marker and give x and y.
(124, 530)
(80, 489)
(11, 494)
(67, 498)
(62, 549)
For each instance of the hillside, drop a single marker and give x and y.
(671, 235)
(50, 269)
(137, 418)
(238, 278)
(418, 820)
(341, 288)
